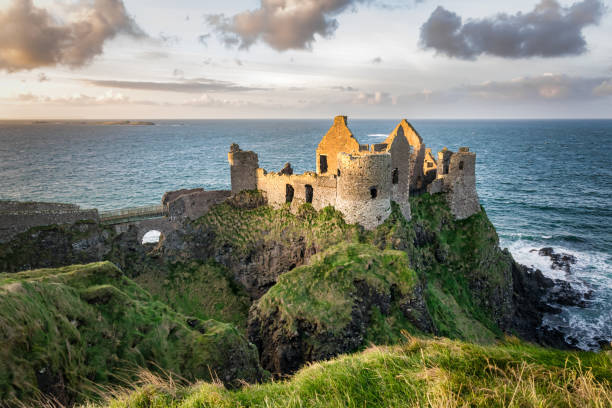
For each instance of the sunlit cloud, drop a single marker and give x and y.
(32, 37)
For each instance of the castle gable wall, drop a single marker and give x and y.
(338, 139)
(417, 156)
(400, 150)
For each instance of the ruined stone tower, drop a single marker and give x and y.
(243, 169)
(456, 177)
(364, 188)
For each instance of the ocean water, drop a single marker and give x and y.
(542, 182)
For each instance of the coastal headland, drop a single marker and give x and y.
(378, 272)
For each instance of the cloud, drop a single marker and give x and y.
(42, 77)
(604, 89)
(282, 24)
(206, 100)
(549, 30)
(195, 85)
(344, 88)
(203, 39)
(375, 98)
(169, 39)
(109, 97)
(32, 37)
(542, 88)
(377, 60)
(153, 55)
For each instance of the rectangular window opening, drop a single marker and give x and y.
(323, 163)
(289, 193)
(309, 193)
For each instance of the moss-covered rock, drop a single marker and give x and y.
(257, 245)
(56, 245)
(67, 331)
(204, 290)
(330, 306)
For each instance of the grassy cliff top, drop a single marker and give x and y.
(68, 332)
(418, 373)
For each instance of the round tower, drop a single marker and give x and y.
(364, 188)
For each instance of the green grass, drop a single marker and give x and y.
(323, 292)
(418, 373)
(244, 229)
(469, 283)
(203, 290)
(79, 327)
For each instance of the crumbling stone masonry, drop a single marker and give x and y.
(243, 167)
(456, 178)
(361, 180)
(17, 217)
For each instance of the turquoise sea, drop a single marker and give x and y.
(542, 182)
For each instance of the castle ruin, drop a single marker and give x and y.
(361, 180)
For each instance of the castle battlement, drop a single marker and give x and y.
(361, 180)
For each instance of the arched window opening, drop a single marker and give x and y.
(395, 176)
(460, 165)
(289, 193)
(373, 192)
(151, 237)
(309, 193)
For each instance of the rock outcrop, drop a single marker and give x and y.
(327, 307)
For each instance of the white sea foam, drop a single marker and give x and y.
(592, 272)
(380, 135)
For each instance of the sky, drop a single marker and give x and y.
(201, 59)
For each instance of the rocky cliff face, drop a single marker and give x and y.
(56, 245)
(465, 286)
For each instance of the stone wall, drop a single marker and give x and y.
(364, 188)
(400, 150)
(338, 139)
(417, 155)
(243, 169)
(194, 204)
(173, 195)
(459, 183)
(17, 217)
(319, 190)
(443, 162)
(429, 167)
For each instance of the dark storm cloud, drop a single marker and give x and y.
(32, 37)
(282, 24)
(195, 85)
(549, 30)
